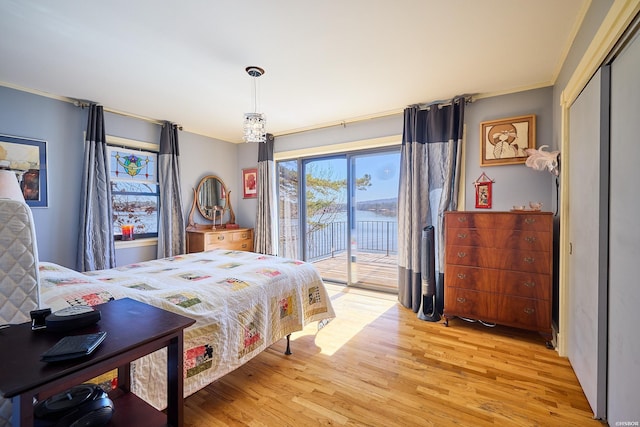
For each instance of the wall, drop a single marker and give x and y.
(590, 24)
(62, 125)
(514, 184)
(246, 209)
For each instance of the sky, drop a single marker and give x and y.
(383, 168)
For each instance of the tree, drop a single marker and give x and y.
(326, 195)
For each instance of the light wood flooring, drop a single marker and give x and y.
(376, 364)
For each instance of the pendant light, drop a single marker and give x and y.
(255, 123)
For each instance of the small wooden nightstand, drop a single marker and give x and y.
(205, 239)
(24, 376)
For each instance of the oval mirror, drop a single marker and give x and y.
(211, 193)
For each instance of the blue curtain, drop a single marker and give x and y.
(266, 231)
(429, 179)
(171, 226)
(96, 247)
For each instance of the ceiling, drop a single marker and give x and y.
(325, 62)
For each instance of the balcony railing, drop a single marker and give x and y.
(331, 239)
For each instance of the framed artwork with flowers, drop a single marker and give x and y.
(250, 183)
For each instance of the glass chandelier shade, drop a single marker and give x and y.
(255, 124)
(255, 129)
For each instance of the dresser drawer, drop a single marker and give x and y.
(226, 238)
(475, 278)
(467, 303)
(242, 245)
(499, 238)
(208, 239)
(514, 283)
(524, 312)
(522, 284)
(505, 220)
(506, 259)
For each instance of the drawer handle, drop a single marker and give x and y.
(529, 260)
(462, 219)
(529, 284)
(462, 235)
(244, 235)
(530, 239)
(462, 276)
(461, 299)
(462, 254)
(244, 246)
(221, 237)
(529, 310)
(529, 220)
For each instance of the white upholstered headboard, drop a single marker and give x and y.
(19, 293)
(18, 262)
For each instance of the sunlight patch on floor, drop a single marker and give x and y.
(355, 309)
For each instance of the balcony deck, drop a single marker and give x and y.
(377, 271)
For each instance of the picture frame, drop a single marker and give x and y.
(28, 159)
(250, 183)
(483, 195)
(504, 141)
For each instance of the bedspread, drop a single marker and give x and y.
(242, 303)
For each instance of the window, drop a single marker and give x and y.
(134, 191)
(339, 212)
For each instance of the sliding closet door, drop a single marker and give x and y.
(586, 325)
(624, 260)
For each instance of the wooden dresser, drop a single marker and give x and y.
(205, 239)
(498, 268)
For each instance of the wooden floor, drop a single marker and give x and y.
(376, 364)
(377, 271)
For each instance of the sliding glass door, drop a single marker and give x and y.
(374, 220)
(342, 216)
(325, 222)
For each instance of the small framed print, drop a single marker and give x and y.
(505, 141)
(483, 195)
(483, 191)
(250, 183)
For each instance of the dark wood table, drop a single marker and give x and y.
(134, 329)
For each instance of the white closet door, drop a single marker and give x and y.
(624, 244)
(583, 228)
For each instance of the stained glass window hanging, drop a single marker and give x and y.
(132, 165)
(134, 191)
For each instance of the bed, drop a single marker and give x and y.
(242, 303)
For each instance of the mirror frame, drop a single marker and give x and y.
(196, 203)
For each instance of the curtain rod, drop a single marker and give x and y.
(425, 106)
(342, 123)
(84, 104)
(468, 99)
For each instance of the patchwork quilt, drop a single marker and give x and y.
(242, 303)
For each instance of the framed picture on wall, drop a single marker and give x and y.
(503, 142)
(483, 191)
(483, 195)
(28, 159)
(250, 183)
